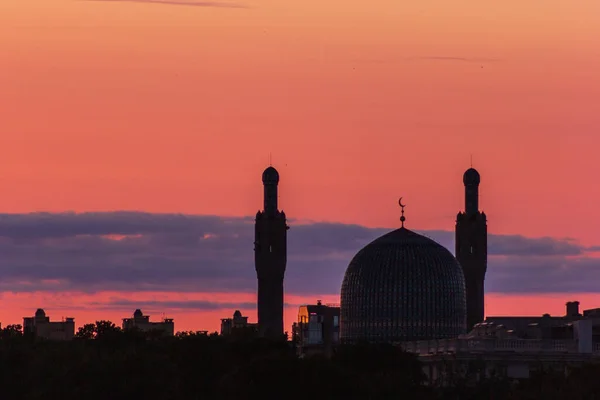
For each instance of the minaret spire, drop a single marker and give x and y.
(402, 218)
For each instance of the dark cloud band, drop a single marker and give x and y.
(137, 251)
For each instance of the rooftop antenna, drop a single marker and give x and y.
(402, 218)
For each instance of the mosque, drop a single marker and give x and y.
(405, 289)
(404, 286)
(401, 287)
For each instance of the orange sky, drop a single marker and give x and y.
(166, 108)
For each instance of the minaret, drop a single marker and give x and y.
(270, 256)
(471, 247)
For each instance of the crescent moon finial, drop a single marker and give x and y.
(402, 218)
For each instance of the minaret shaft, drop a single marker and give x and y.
(270, 258)
(270, 199)
(471, 199)
(471, 248)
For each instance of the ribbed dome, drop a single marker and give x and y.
(403, 286)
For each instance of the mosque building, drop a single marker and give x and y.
(404, 286)
(401, 287)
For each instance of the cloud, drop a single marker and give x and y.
(189, 3)
(516, 245)
(195, 305)
(543, 275)
(135, 251)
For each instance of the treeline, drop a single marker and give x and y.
(104, 362)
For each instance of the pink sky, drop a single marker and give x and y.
(166, 108)
(85, 308)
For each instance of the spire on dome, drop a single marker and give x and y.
(402, 218)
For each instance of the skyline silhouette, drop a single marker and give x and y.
(162, 262)
(172, 111)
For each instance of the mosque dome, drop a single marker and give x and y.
(403, 286)
(40, 313)
(138, 313)
(471, 176)
(270, 176)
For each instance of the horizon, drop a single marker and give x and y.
(172, 110)
(192, 293)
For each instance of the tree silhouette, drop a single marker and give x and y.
(104, 329)
(105, 362)
(87, 331)
(11, 331)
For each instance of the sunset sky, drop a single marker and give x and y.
(142, 128)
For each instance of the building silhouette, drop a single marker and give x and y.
(545, 326)
(270, 257)
(142, 323)
(401, 287)
(40, 326)
(514, 346)
(317, 330)
(237, 324)
(471, 247)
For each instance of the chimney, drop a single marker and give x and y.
(573, 309)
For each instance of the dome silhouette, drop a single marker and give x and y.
(402, 286)
(270, 176)
(471, 176)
